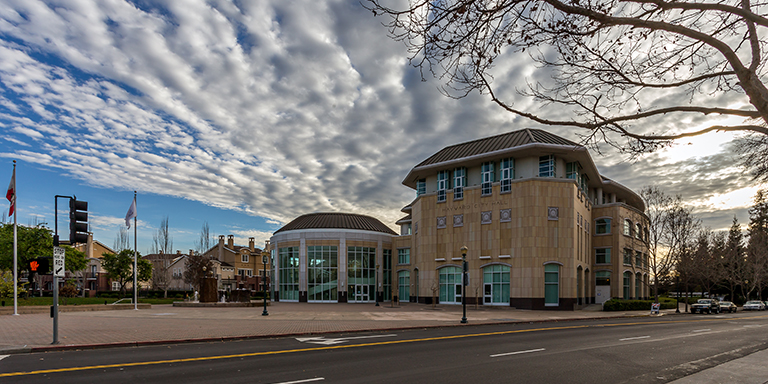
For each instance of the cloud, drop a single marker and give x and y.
(266, 107)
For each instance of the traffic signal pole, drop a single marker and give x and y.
(78, 225)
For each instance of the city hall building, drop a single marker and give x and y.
(543, 229)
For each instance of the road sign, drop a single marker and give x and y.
(58, 261)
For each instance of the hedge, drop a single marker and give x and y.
(636, 305)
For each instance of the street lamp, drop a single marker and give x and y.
(376, 285)
(464, 284)
(264, 260)
(677, 286)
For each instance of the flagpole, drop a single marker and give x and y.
(135, 264)
(15, 248)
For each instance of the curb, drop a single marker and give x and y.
(71, 347)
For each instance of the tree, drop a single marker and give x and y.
(162, 243)
(33, 242)
(206, 239)
(611, 65)
(162, 240)
(196, 268)
(121, 239)
(76, 262)
(757, 244)
(119, 267)
(734, 262)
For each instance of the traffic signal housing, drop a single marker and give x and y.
(40, 266)
(78, 221)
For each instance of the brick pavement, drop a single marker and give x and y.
(165, 323)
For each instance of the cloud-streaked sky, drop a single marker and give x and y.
(247, 114)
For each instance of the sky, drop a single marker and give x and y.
(246, 114)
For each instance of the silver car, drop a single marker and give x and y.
(754, 305)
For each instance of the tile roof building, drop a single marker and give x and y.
(543, 228)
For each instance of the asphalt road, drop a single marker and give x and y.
(640, 350)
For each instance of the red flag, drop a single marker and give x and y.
(11, 194)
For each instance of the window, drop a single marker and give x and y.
(288, 264)
(244, 258)
(627, 284)
(573, 171)
(442, 185)
(602, 226)
(638, 259)
(507, 174)
(603, 278)
(115, 285)
(93, 270)
(421, 187)
(361, 274)
(627, 227)
(404, 256)
(627, 256)
(584, 184)
(551, 285)
(487, 179)
(450, 285)
(404, 285)
(602, 256)
(638, 286)
(459, 182)
(639, 231)
(322, 273)
(496, 284)
(547, 166)
(387, 275)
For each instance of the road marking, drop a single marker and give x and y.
(163, 314)
(634, 338)
(331, 347)
(324, 341)
(518, 352)
(701, 330)
(303, 381)
(3, 356)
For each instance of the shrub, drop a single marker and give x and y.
(636, 305)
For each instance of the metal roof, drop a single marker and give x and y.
(496, 143)
(336, 220)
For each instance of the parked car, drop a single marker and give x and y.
(706, 306)
(727, 306)
(754, 305)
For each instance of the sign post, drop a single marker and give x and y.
(58, 271)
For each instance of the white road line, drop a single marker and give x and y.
(3, 356)
(701, 330)
(518, 352)
(302, 381)
(634, 338)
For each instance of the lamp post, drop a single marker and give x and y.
(264, 260)
(464, 284)
(677, 286)
(376, 285)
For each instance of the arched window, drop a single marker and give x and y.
(450, 285)
(627, 284)
(627, 227)
(638, 286)
(639, 231)
(496, 284)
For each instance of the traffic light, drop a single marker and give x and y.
(78, 221)
(40, 265)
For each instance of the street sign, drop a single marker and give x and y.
(58, 261)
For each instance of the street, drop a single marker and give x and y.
(637, 350)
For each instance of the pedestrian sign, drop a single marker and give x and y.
(58, 262)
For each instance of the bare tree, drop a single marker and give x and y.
(734, 262)
(611, 64)
(196, 268)
(657, 208)
(162, 240)
(121, 239)
(206, 239)
(162, 243)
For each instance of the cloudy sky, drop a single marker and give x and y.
(247, 114)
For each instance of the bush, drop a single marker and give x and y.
(636, 305)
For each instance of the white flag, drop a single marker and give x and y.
(131, 213)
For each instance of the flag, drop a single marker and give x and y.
(11, 194)
(131, 213)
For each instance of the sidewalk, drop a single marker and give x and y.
(168, 324)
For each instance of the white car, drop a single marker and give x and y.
(754, 305)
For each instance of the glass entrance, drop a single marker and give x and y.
(361, 293)
(450, 285)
